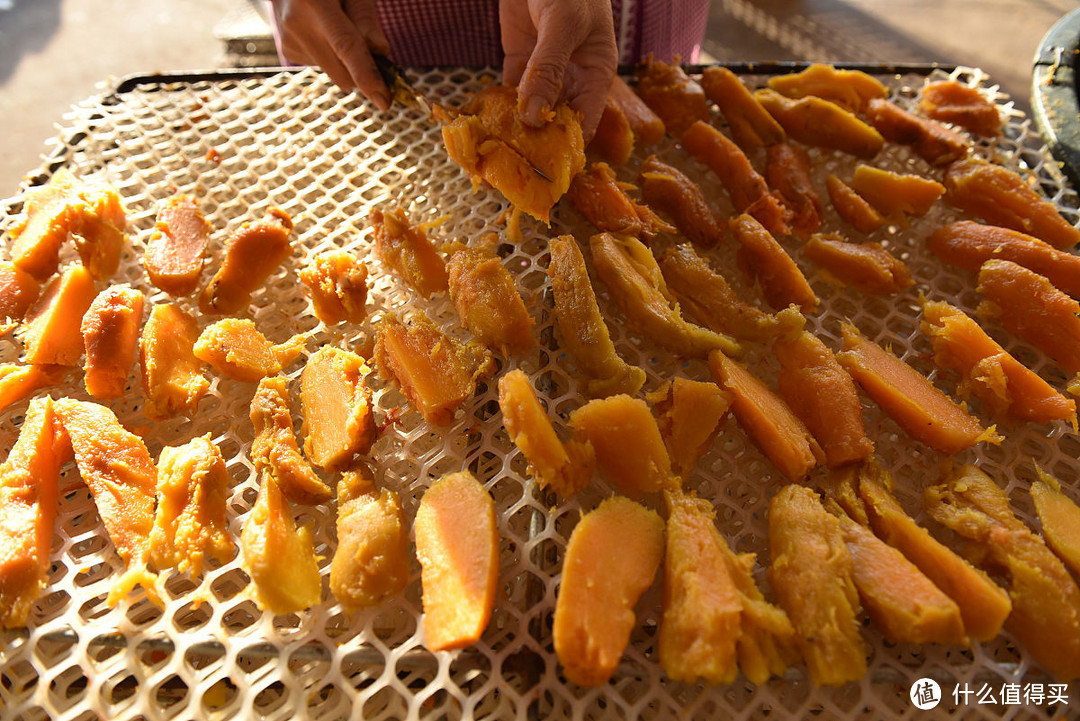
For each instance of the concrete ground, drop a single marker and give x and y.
(54, 54)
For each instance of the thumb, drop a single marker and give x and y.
(542, 82)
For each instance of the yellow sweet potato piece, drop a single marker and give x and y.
(97, 229)
(278, 556)
(190, 525)
(787, 170)
(611, 559)
(339, 420)
(122, 478)
(689, 415)
(751, 124)
(812, 120)
(371, 563)
(488, 303)
(767, 640)
(566, 468)
(627, 442)
(604, 202)
(613, 140)
(457, 544)
(44, 225)
(18, 381)
(952, 102)
(896, 195)
(668, 190)
(408, 252)
(647, 126)
(435, 372)
(582, 331)
(930, 140)
(1060, 518)
(850, 89)
(274, 450)
(852, 208)
(251, 254)
(50, 334)
(176, 249)
(866, 267)
(172, 376)
(28, 502)
(18, 291)
(672, 94)
(235, 348)
(110, 333)
(336, 282)
(812, 575)
(762, 257)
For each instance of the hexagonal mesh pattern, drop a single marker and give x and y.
(291, 139)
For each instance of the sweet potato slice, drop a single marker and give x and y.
(457, 544)
(818, 122)
(850, 89)
(1006, 387)
(611, 559)
(613, 140)
(822, 394)
(673, 95)
(746, 187)
(812, 574)
(408, 252)
(581, 326)
(251, 254)
(963, 105)
(336, 282)
(787, 171)
(371, 563)
(604, 202)
(627, 443)
(565, 468)
(28, 502)
(275, 451)
(751, 124)
(235, 348)
(488, 302)
(1001, 197)
(1060, 519)
(1028, 305)
(176, 249)
(435, 372)
(172, 376)
(1045, 616)
(760, 256)
(110, 333)
(191, 524)
(867, 267)
(633, 276)
(44, 225)
(50, 334)
(896, 195)
(689, 415)
(122, 478)
(767, 419)
(647, 126)
(97, 228)
(930, 140)
(852, 208)
(670, 192)
(339, 420)
(19, 381)
(909, 398)
(18, 291)
(278, 556)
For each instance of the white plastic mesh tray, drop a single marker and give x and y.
(243, 143)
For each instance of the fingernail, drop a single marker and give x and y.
(537, 111)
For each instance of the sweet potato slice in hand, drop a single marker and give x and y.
(176, 249)
(604, 202)
(110, 333)
(51, 334)
(611, 559)
(251, 254)
(172, 376)
(457, 543)
(275, 451)
(335, 402)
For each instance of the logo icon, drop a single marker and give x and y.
(925, 694)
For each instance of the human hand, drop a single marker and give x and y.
(559, 50)
(338, 36)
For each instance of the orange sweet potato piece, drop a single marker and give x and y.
(908, 397)
(748, 191)
(627, 443)
(371, 562)
(172, 376)
(967, 245)
(582, 331)
(812, 575)
(44, 225)
(122, 478)
(767, 419)
(952, 102)
(672, 94)
(896, 195)
(751, 125)
(235, 348)
(28, 502)
(566, 468)
(815, 121)
(613, 141)
(787, 171)
(176, 249)
(930, 140)
(850, 89)
(822, 394)
(408, 252)
(435, 372)
(339, 420)
(98, 229)
(611, 559)
(674, 195)
(1007, 388)
(1002, 197)
(689, 415)
(866, 267)
(19, 381)
(51, 334)
(647, 126)
(1028, 305)
(274, 449)
(251, 254)
(762, 257)
(110, 333)
(457, 543)
(18, 291)
(336, 282)
(488, 302)
(1045, 616)
(1060, 519)
(603, 201)
(852, 208)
